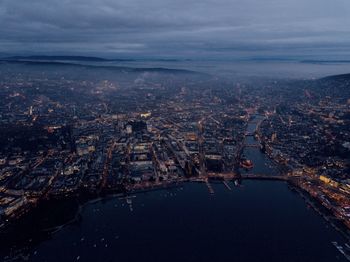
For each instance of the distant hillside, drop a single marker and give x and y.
(86, 59)
(325, 61)
(62, 63)
(61, 58)
(335, 86)
(56, 58)
(343, 77)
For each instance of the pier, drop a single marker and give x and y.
(227, 185)
(210, 188)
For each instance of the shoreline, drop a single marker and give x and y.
(84, 198)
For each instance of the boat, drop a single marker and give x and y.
(246, 163)
(341, 250)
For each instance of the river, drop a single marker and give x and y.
(262, 163)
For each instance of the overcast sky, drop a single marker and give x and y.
(177, 28)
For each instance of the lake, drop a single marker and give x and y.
(257, 221)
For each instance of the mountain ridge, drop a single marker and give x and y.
(109, 67)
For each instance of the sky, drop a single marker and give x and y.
(227, 29)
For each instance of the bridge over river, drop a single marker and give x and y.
(225, 177)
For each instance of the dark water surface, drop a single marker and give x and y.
(259, 221)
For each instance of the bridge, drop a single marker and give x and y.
(224, 177)
(252, 145)
(231, 176)
(264, 177)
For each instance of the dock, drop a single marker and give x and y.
(210, 188)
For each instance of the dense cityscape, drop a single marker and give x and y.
(192, 131)
(71, 130)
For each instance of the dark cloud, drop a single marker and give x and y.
(175, 27)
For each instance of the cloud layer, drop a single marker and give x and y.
(170, 28)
